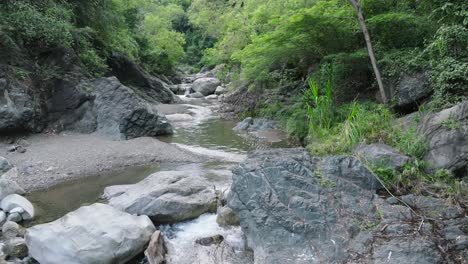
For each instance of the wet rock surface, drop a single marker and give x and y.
(166, 197)
(287, 199)
(256, 124)
(92, 234)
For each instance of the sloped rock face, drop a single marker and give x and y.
(446, 133)
(295, 208)
(17, 108)
(148, 87)
(92, 234)
(166, 197)
(122, 114)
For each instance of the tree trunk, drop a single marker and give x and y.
(370, 49)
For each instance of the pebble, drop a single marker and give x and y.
(18, 210)
(10, 230)
(14, 217)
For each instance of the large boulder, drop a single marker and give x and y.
(206, 86)
(410, 89)
(381, 155)
(92, 234)
(166, 197)
(296, 208)
(123, 114)
(446, 133)
(131, 74)
(4, 165)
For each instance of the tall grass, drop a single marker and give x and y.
(320, 108)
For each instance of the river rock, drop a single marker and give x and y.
(2, 217)
(166, 197)
(381, 155)
(208, 241)
(92, 234)
(14, 217)
(123, 114)
(286, 199)
(13, 201)
(195, 95)
(206, 86)
(256, 124)
(220, 90)
(156, 251)
(10, 230)
(16, 248)
(212, 97)
(4, 165)
(7, 186)
(446, 133)
(227, 217)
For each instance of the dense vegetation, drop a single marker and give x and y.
(313, 48)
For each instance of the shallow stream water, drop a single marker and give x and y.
(200, 131)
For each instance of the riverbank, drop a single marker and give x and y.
(51, 159)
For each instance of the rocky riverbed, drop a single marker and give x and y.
(217, 191)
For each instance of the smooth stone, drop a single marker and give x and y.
(14, 200)
(212, 97)
(18, 210)
(97, 233)
(166, 196)
(382, 155)
(206, 86)
(227, 217)
(10, 229)
(14, 217)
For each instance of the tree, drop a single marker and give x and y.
(370, 49)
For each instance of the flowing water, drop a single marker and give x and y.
(198, 129)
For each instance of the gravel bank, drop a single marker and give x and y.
(52, 159)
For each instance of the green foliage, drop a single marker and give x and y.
(448, 53)
(37, 24)
(399, 30)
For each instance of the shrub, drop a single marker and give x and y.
(399, 30)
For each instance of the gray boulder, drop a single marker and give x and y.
(92, 234)
(446, 133)
(16, 248)
(123, 114)
(381, 155)
(411, 89)
(166, 197)
(4, 165)
(296, 208)
(13, 201)
(206, 86)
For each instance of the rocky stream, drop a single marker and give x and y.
(210, 190)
